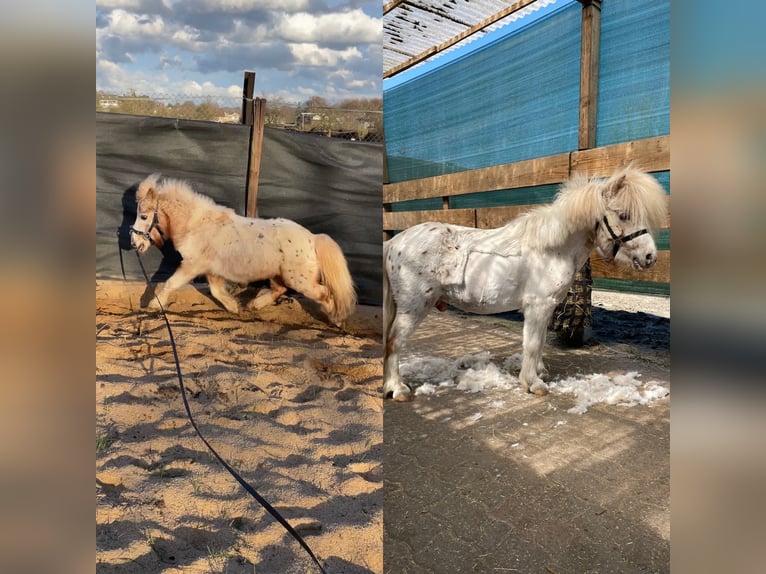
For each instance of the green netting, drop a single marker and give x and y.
(519, 196)
(647, 287)
(514, 99)
(634, 71)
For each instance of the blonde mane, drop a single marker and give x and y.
(641, 197)
(583, 201)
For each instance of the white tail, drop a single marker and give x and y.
(336, 277)
(389, 303)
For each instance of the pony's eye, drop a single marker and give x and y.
(623, 217)
(144, 216)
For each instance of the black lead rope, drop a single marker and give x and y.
(262, 501)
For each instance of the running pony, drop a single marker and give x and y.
(216, 242)
(527, 265)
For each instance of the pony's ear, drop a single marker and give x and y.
(147, 189)
(613, 185)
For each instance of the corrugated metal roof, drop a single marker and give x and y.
(415, 31)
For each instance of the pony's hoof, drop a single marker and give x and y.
(539, 388)
(401, 393)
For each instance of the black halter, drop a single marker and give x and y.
(620, 240)
(155, 224)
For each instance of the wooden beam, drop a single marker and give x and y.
(589, 67)
(246, 116)
(388, 6)
(254, 162)
(658, 273)
(539, 171)
(494, 217)
(455, 39)
(650, 154)
(398, 220)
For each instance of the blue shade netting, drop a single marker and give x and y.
(514, 99)
(634, 71)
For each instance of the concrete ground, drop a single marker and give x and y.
(501, 481)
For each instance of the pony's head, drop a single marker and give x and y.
(146, 229)
(635, 206)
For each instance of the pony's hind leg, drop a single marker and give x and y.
(321, 294)
(219, 291)
(268, 296)
(402, 326)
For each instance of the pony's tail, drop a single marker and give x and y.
(336, 277)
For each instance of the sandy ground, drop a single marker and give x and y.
(504, 481)
(289, 402)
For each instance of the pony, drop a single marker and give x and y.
(527, 265)
(225, 247)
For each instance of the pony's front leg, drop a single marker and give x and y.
(536, 321)
(183, 275)
(218, 290)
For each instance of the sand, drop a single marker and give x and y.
(291, 403)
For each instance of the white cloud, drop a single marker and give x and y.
(296, 48)
(130, 25)
(245, 5)
(314, 56)
(341, 28)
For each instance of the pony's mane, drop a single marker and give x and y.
(182, 191)
(641, 197)
(582, 201)
(577, 206)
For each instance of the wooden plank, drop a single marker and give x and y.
(494, 217)
(246, 117)
(254, 163)
(388, 6)
(589, 66)
(455, 39)
(398, 220)
(539, 171)
(650, 154)
(659, 273)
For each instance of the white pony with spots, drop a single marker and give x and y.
(216, 242)
(527, 265)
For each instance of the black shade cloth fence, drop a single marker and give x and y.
(327, 185)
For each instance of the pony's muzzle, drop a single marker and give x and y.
(139, 240)
(649, 259)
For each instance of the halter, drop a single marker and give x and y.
(620, 240)
(155, 223)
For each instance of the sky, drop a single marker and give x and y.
(193, 48)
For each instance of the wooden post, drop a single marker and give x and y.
(589, 63)
(258, 110)
(246, 117)
(572, 317)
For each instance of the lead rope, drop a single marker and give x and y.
(262, 501)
